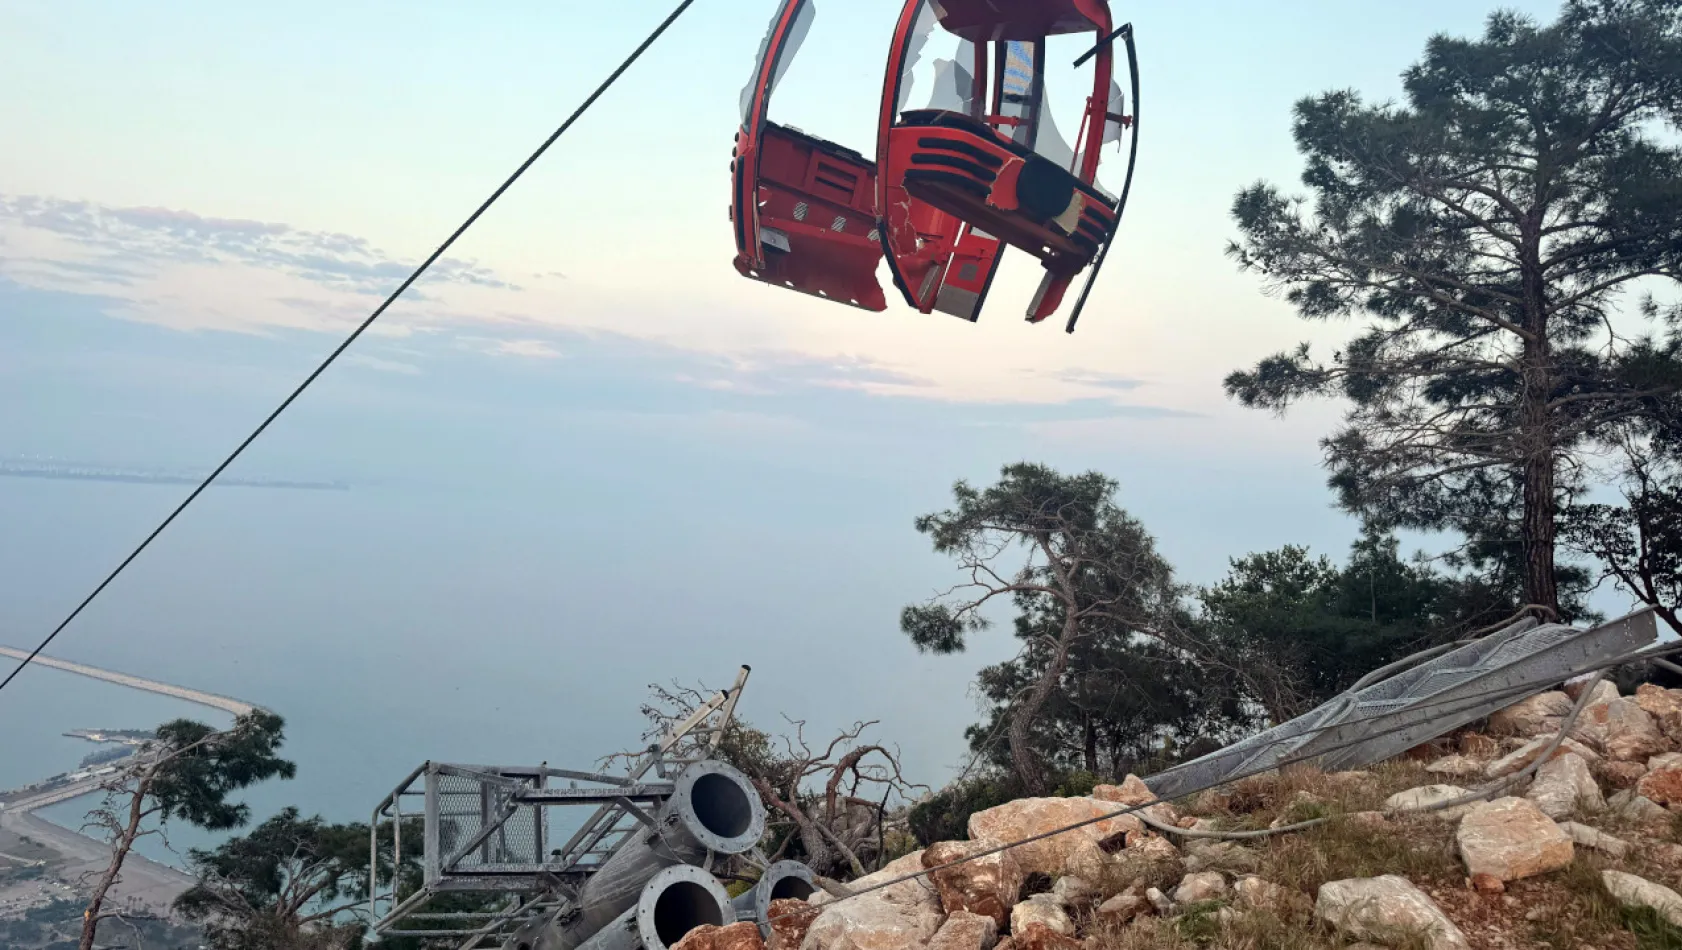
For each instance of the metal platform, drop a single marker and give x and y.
(487, 832)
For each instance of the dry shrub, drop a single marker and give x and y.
(1254, 802)
(1419, 849)
(1202, 927)
(1143, 933)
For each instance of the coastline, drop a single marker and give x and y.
(65, 857)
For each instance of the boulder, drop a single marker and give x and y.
(1632, 891)
(1159, 901)
(1586, 837)
(738, 936)
(917, 893)
(1204, 886)
(1604, 690)
(1042, 909)
(1257, 894)
(1382, 908)
(1152, 846)
(1488, 884)
(1457, 766)
(1511, 838)
(1074, 893)
(1131, 791)
(1663, 853)
(1631, 804)
(1429, 796)
(1621, 731)
(965, 931)
(1621, 775)
(1662, 786)
(1670, 723)
(1124, 907)
(1528, 753)
(1145, 863)
(790, 919)
(898, 917)
(1666, 760)
(989, 886)
(1027, 817)
(1564, 787)
(1089, 862)
(1134, 791)
(1529, 717)
(1657, 700)
(1040, 937)
(1204, 854)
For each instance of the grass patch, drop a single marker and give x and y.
(1652, 932)
(1203, 927)
(1419, 849)
(1299, 793)
(1573, 910)
(1145, 933)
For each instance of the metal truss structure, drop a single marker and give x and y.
(1384, 715)
(489, 857)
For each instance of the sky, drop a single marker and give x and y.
(582, 435)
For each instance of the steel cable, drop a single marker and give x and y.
(430, 260)
(1627, 658)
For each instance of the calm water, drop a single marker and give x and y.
(394, 625)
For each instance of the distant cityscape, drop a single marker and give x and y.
(61, 469)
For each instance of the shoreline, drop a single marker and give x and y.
(71, 857)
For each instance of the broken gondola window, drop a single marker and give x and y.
(797, 31)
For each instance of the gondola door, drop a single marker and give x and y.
(803, 209)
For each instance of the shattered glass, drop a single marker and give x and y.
(791, 46)
(935, 73)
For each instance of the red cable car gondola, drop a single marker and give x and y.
(970, 167)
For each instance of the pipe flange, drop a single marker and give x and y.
(735, 832)
(718, 912)
(790, 876)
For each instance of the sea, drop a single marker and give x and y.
(395, 624)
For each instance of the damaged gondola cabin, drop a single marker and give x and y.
(967, 161)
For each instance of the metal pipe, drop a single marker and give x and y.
(781, 881)
(673, 902)
(713, 809)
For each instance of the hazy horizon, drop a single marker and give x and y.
(587, 455)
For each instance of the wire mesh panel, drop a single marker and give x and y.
(482, 826)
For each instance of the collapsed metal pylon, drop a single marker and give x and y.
(634, 874)
(1385, 714)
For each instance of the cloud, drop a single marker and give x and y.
(382, 365)
(1100, 380)
(491, 346)
(529, 348)
(128, 239)
(188, 271)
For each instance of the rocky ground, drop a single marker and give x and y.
(1583, 854)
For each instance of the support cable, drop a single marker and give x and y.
(1645, 654)
(577, 113)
